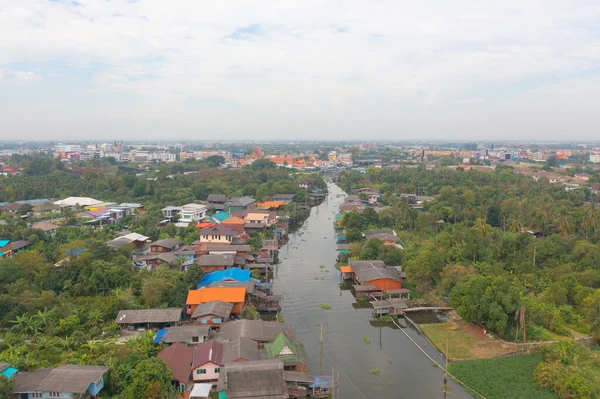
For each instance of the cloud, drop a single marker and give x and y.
(18, 77)
(340, 67)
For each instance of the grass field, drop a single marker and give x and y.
(465, 340)
(506, 378)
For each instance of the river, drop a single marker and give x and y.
(404, 371)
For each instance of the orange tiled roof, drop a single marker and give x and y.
(270, 204)
(224, 294)
(346, 269)
(233, 220)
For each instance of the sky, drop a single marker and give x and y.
(299, 69)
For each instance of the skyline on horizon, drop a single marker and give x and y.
(126, 69)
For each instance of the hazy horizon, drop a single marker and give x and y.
(310, 70)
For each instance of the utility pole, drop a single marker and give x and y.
(534, 252)
(446, 387)
(321, 351)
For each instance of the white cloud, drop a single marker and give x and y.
(17, 77)
(337, 64)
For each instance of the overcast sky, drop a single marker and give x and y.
(239, 69)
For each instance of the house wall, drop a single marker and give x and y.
(384, 283)
(209, 320)
(208, 269)
(210, 375)
(216, 238)
(95, 388)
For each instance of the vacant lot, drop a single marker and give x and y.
(506, 378)
(465, 340)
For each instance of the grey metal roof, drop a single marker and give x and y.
(166, 242)
(210, 246)
(257, 330)
(367, 287)
(215, 308)
(368, 270)
(260, 379)
(244, 201)
(16, 245)
(185, 333)
(298, 376)
(138, 316)
(217, 198)
(248, 285)
(64, 378)
(216, 260)
(240, 348)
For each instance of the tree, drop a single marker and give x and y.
(150, 378)
(249, 312)
(353, 235)
(214, 161)
(261, 164)
(154, 290)
(6, 387)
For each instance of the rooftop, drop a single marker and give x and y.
(229, 294)
(261, 379)
(216, 260)
(233, 273)
(257, 330)
(65, 378)
(168, 315)
(214, 308)
(211, 351)
(167, 243)
(178, 358)
(185, 333)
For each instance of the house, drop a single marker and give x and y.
(292, 354)
(170, 212)
(201, 391)
(259, 331)
(188, 252)
(139, 242)
(388, 236)
(233, 295)
(239, 204)
(376, 273)
(207, 361)
(134, 207)
(188, 334)
(241, 350)
(164, 245)
(220, 217)
(235, 223)
(232, 274)
(85, 202)
(210, 263)
(584, 176)
(595, 188)
(262, 379)
(217, 198)
(221, 249)
(287, 198)
(218, 234)
(154, 260)
(212, 313)
(46, 227)
(149, 318)
(19, 246)
(11, 209)
(192, 213)
(306, 183)
(65, 381)
(5, 249)
(178, 358)
(45, 208)
(347, 273)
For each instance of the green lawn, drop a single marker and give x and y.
(506, 378)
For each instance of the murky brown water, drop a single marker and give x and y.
(404, 371)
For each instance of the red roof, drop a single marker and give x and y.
(211, 351)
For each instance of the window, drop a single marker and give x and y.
(217, 370)
(200, 371)
(195, 339)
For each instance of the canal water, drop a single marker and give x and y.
(404, 372)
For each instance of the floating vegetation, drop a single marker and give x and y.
(325, 306)
(322, 267)
(326, 271)
(390, 361)
(366, 340)
(322, 278)
(375, 371)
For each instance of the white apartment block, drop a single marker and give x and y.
(595, 157)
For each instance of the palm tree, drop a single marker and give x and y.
(565, 223)
(514, 225)
(481, 225)
(590, 219)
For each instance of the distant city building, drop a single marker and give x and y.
(595, 157)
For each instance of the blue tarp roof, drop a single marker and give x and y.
(4, 243)
(235, 273)
(160, 336)
(341, 238)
